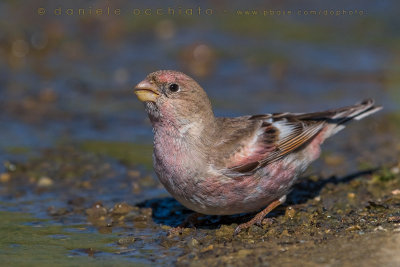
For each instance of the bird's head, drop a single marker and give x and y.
(175, 98)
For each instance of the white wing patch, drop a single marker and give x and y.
(285, 129)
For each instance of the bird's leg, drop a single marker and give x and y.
(192, 219)
(260, 216)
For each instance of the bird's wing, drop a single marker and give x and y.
(262, 139)
(265, 139)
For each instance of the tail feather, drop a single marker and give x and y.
(343, 115)
(337, 118)
(357, 112)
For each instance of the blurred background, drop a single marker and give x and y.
(70, 77)
(67, 78)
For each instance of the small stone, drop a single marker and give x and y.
(285, 233)
(380, 228)
(146, 212)
(165, 227)
(10, 166)
(45, 182)
(194, 242)
(353, 228)
(121, 208)
(210, 247)
(97, 211)
(396, 192)
(267, 222)
(290, 212)
(126, 240)
(271, 231)
(5, 177)
(395, 219)
(395, 170)
(351, 195)
(186, 231)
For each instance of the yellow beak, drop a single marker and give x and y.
(146, 91)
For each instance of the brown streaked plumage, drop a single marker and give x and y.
(223, 166)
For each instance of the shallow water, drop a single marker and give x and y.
(73, 134)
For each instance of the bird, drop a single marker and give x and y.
(231, 165)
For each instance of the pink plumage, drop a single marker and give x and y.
(224, 166)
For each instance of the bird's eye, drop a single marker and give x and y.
(173, 87)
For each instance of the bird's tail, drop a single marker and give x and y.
(356, 112)
(337, 118)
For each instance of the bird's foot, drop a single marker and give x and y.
(258, 219)
(191, 220)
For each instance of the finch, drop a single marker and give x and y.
(223, 166)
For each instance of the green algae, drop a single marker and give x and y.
(28, 241)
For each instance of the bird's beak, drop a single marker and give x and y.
(146, 91)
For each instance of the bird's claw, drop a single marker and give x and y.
(237, 230)
(259, 223)
(242, 226)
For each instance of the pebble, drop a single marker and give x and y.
(395, 219)
(165, 227)
(396, 192)
(5, 177)
(210, 247)
(351, 195)
(96, 211)
(395, 170)
(380, 228)
(290, 212)
(194, 242)
(45, 182)
(121, 208)
(353, 228)
(285, 233)
(126, 240)
(9, 166)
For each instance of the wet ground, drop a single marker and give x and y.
(83, 203)
(76, 181)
